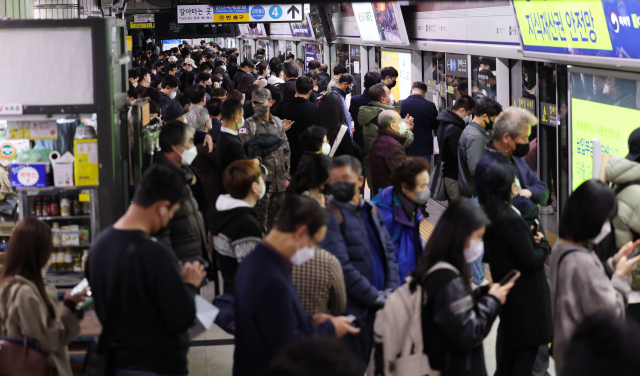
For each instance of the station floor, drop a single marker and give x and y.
(212, 354)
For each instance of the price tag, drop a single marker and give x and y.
(84, 197)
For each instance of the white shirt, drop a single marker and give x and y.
(227, 130)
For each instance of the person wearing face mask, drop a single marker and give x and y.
(343, 88)
(244, 77)
(357, 236)
(28, 307)
(189, 66)
(452, 123)
(398, 205)
(386, 151)
(232, 221)
(303, 114)
(509, 145)
(169, 89)
(338, 71)
(156, 294)
(185, 233)
(525, 320)
(455, 318)
(580, 284)
(277, 163)
(145, 77)
(268, 311)
(313, 141)
(390, 78)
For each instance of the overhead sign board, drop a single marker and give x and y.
(240, 13)
(141, 18)
(145, 25)
(456, 65)
(606, 29)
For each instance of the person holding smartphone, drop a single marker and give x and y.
(455, 318)
(525, 320)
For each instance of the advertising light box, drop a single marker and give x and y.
(402, 62)
(381, 23)
(590, 120)
(603, 30)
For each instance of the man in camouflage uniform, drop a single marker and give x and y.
(277, 163)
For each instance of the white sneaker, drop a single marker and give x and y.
(484, 282)
(546, 210)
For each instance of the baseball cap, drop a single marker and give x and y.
(172, 111)
(173, 59)
(219, 70)
(189, 61)
(634, 145)
(179, 61)
(260, 95)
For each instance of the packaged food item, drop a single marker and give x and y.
(65, 234)
(65, 207)
(38, 203)
(74, 235)
(54, 206)
(57, 238)
(85, 235)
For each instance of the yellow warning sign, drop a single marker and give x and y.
(544, 114)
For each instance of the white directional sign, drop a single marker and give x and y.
(240, 13)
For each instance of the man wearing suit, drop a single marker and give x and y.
(303, 114)
(424, 115)
(370, 79)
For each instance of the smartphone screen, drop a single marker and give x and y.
(634, 253)
(512, 274)
(536, 226)
(80, 287)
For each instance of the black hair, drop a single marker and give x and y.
(297, 211)
(290, 69)
(203, 77)
(313, 75)
(586, 355)
(346, 78)
(300, 60)
(312, 138)
(233, 59)
(587, 209)
(377, 92)
(152, 93)
(132, 93)
(170, 67)
(339, 69)
(388, 72)
(248, 92)
(315, 357)
(213, 106)
(498, 179)
(312, 175)
(170, 81)
(205, 66)
(276, 95)
(372, 78)
(218, 92)
(262, 67)
(183, 99)
(173, 133)
(323, 68)
(260, 51)
(290, 56)
(133, 73)
(159, 183)
(156, 82)
(346, 160)
(197, 93)
(143, 72)
(465, 102)
(420, 86)
(488, 106)
(447, 242)
(230, 108)
(304, 85)
(331, 116)
(247, 63)
(313, 64)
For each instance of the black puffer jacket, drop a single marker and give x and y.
(454, 324)
(185, 233)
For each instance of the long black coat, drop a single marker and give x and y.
(305, 114)
(526, 316)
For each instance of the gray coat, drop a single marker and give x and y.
(470, 150)
(580, 287)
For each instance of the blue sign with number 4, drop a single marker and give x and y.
(275, 12)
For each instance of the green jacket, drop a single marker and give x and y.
(368, 115)
(619, 171)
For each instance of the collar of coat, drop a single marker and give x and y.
(396, 136)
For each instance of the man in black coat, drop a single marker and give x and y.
(357, 101)
(304, 114)
(243, 78)
(324, 79)
(424, 115)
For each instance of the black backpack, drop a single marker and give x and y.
(608, 247)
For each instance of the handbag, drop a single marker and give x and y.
(436, 185)
(339, 137)
(98, 361)
(20, 356)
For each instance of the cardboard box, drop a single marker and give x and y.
(62, 169)
(86, 170)
(31, 175)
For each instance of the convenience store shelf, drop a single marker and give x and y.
(54, 188)
(61, 218)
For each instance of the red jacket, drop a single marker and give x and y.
(385, 155)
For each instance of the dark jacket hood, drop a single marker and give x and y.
(449, 117)
(225, 210)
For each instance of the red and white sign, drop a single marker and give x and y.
(10, 109)
(28, 176)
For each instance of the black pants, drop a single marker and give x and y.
(361, 344)
(633, 313)
(513, 361)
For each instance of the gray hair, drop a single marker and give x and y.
(512, 121)
(346, 160)
(387, 117)
(198, 118)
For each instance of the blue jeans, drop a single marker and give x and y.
(477, 267)
(126, 372)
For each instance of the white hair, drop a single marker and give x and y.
(198, 118)
(512, 121)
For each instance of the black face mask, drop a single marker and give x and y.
(342, 191)
(488, 125)
(348, 91)
(521, 150)
(393, 84)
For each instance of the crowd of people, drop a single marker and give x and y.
(260, 177)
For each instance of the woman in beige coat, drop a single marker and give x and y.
(27, 307)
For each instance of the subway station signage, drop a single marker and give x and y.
(588, 27)
(240, 13)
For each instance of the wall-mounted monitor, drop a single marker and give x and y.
(249, 32)
(381, 23)
(302, 30)
(321, 25)
(167, 27)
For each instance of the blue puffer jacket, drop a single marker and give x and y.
(405, 236)
(352, 246)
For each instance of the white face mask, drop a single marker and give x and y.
(240, 125)
(467, 119)
(474, 251)
(173, 94)
(302, 255)
(606, 89)
(263, 192)
(422, 197)
(402, 127)
(188, 155)
(516, 188)
(326, 149)
(606, 229)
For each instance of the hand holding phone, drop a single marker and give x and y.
(354, 321)
(511, 276)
